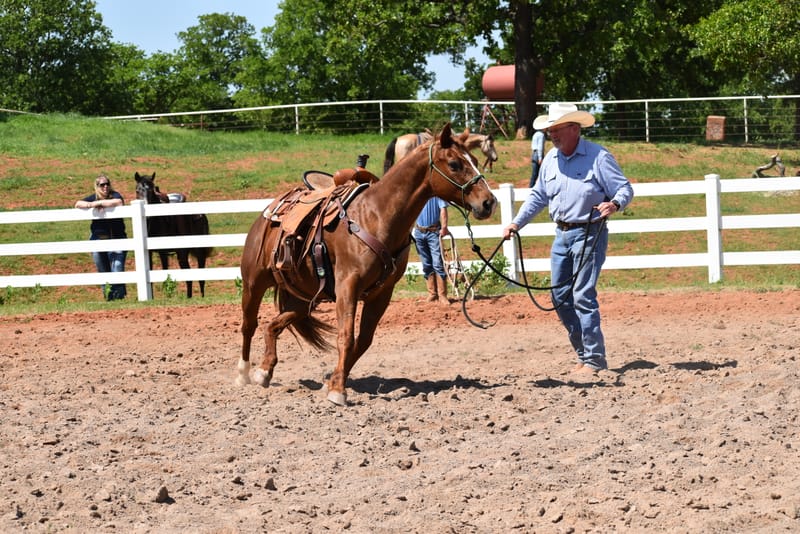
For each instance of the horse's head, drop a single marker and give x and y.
(146, 188)
(455, 177)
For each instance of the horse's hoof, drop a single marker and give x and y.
(243, 373)
(262, 378)
(339, 399)
(242, 380)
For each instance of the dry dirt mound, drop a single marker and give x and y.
(130, 422)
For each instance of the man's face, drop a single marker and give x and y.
(565, 137)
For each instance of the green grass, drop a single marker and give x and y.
(51, 161)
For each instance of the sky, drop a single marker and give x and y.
(153, 25)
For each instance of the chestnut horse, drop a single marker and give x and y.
(173, 225)
(400, 147)
(364, 267)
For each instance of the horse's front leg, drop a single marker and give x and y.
(346, 303)
(371, 314)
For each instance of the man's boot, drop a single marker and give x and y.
(442, 282)
(431, 281)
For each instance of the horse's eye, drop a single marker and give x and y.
(455, 165)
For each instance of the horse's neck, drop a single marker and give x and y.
(391, 206)
(474, 141)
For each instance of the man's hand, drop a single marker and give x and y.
(508, 230)
(607, 208)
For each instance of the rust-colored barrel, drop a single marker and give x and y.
(498, 82)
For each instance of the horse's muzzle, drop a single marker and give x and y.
(484, 209)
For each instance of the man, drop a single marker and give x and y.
(537, 154)
(432, 223)
(581, 184)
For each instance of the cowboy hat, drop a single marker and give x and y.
(559, 113)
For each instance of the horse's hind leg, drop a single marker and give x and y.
(252, 294)
(201, 256)
(291, 310)
(183, 261)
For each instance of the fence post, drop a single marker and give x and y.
(714, 227)
(746, 129)
(506, 194)
(141, 255)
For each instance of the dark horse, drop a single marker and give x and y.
(173, 225)
(367, 249)
(401, 146)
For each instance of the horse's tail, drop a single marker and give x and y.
(388, 160)
(309, 327)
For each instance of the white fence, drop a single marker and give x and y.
(712, 223)
(761, 119)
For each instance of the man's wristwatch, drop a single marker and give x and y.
(615, 204)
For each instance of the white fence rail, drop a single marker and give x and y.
(712, 223)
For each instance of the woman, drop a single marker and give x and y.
(112, 261)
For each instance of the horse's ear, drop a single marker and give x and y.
(446, 136)
(137, 177)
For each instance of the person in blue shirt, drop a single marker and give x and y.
(581, 184)
(432, 223)
(105, 196)
(537, 154)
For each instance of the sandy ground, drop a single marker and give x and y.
(130, 422)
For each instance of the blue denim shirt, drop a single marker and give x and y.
(572, 185)
(431, 212)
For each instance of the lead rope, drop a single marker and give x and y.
(529, 288)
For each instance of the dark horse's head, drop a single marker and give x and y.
(147, 190)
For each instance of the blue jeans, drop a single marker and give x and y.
(580, 311)
(111, 262)
(430, 253)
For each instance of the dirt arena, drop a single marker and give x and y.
(130, 422)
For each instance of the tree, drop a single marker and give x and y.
(347, 50)
(755, 44)
(57, 56)
(211, 59)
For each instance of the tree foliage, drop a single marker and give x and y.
(754, 44)
(58, 56)
(213, 54)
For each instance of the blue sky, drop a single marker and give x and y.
(153, 25)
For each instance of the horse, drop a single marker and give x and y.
(365, 248)
(401, 146)
(173, 225)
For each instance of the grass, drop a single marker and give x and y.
(51, 161)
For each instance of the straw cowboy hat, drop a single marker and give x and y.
(559, 113)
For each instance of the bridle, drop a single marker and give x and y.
(148, 192)
(461, 187)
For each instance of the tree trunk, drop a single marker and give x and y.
(525, 68)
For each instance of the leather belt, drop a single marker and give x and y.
(563, 225)
(426, 229)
